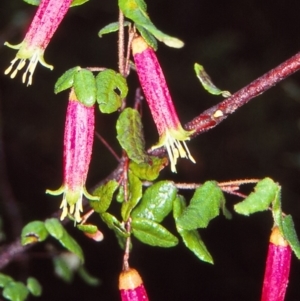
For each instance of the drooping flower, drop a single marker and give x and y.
(45, 22)
(78, 144)
(277, 268)
(152, 80)
(131, 286)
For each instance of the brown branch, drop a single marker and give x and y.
(202, 123)
(216, 114)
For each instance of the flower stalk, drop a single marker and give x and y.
(131, 286)
(43, 26)
(78, 144)
(153, 82)
(277, 268)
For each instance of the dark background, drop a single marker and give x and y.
(236, 41)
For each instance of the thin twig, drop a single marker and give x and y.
(121, 44)
(107, 146)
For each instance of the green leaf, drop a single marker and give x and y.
(78, 2)
(191, 238)
(264, 193)
(85, 87)
(74, 2)
(33, 2)
(62, 269)
(113, 223)
(56, 229)
(157, 202)
(111, 90)
(120, 195)
(34, 287)
(136, 10)
(206, 82)
(152, 233)
(105, 193)
(135, 191)
(204, 206)
(5, 279)
(290, 234)
(112, 27)
(87, 278)
(88, 228)
(147, 36)
(71, 244)
(66, 81)
(130, 135)
(15, 291)
(34, 232)
(150, 170)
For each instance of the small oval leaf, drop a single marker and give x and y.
(66, 80)
(112, 27)
(34, 232)
(5, 279)
(56, 229)
(34, 287)
(152, 233)
(15, 291)
(157, 202)
(85, 87)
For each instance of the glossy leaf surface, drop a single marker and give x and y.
(157, 202)
(152, 233)
(85, 87)
(66, 81)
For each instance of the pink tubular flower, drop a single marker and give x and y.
(277, 268)
(45, 22)
(78, 144)
(152, 80)
(131, 286)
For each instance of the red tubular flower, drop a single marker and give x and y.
(152, 80)
(131, 286)
(78, 144)
(45, 22)
(277, 268)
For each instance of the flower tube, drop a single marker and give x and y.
(152, 80)
(131, 286)
(45, 22)
(277, 268)
(78, 144)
